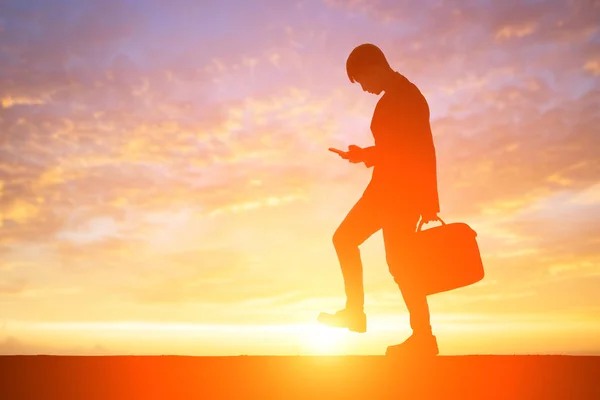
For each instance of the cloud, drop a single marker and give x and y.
(209, 277)
(11, 345)
(8, 101)
(519, 162)
(516, 31)
(593, 67)
(13, 287)
(162, 159)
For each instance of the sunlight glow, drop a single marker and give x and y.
(318, 339)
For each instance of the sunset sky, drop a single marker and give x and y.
(165, 184)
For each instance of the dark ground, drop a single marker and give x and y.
(363, 377)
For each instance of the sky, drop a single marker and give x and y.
(165, 184)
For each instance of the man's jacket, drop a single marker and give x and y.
(403, 157)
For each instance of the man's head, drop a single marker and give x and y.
(368, 66)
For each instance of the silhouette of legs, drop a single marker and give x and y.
(360, 223)
(371, 213)
(418, 309)
(415, 346)
(398, 233)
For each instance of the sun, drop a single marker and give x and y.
(319, 339)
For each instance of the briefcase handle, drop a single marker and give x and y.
(421, 223)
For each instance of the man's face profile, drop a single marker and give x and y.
(370, 79)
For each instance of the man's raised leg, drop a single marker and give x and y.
(360, 223)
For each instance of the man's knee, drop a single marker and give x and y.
(395, 262)
(410, 286)
(342, 239)
(338, 239)
(400, 269)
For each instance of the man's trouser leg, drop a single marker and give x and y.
(398, 233)
(360, 223)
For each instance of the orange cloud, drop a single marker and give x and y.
(593, 67)
(9, 101)
(169, 172)
(519, 31)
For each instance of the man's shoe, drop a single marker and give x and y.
(355, 321)
(415, 346)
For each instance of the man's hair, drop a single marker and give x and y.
(363, 56)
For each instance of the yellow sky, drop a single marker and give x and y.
(165, 184)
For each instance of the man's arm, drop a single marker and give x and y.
(369, 156)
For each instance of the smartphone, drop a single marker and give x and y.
(340, 152)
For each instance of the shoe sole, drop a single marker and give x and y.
(322, 318)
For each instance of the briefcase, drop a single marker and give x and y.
(445, 257)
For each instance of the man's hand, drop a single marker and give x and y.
(355, 154)
(341, 153)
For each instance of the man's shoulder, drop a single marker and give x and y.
(403, 87)
(406, 94)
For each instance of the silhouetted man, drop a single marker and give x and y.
(403, 189)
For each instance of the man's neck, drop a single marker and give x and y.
(388, 82)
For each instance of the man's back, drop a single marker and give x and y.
(406, 164)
